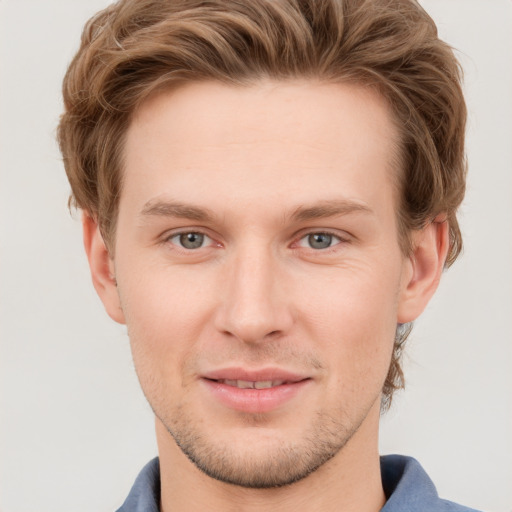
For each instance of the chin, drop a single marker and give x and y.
(261, 460)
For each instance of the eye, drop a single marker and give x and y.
(190, 240)
(319, 241)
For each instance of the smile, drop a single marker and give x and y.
(259, 392)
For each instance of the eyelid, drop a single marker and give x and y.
(342, 235)
(343, 238)
(205, 240)
(168, 235)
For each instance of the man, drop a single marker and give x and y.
(269, 193)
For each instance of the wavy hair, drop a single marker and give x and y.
(135, 48)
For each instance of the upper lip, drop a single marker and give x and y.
(264, 374)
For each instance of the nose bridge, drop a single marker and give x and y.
(254, 304)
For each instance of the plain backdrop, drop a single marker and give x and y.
(74, 427)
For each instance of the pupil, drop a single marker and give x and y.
(320, 240)
(191, 240)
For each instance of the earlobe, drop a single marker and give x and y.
(102, 268)
(423, 269)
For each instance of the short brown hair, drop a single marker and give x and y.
(137, 47)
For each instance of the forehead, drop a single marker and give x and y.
(293, 141)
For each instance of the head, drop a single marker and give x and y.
(138, 57)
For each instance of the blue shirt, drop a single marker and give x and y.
(406, 485)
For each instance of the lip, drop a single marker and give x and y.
(254, 400)
(237, 373)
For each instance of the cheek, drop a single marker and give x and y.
(353, 316)
(162, 297)
(165, 317)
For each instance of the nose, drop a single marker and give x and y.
(255, 305)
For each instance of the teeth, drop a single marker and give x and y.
(247, 384)
(263, 384)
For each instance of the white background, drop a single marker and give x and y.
(74, 427)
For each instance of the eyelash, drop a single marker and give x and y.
(295, 245)
(330, 248)
(168, 239)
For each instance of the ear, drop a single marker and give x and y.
(102, 268)
(423, 269)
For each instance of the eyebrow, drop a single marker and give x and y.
(176, 210)
(330, 208)
(323, 209)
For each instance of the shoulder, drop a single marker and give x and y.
(408, 487)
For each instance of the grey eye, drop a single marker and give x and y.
(319, 240)
(190, 240)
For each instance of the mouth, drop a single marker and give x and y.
(249, 384)
(254, 392)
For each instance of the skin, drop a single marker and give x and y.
(258, 170)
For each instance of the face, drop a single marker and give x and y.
(259, 271)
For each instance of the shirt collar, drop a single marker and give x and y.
(406, 485)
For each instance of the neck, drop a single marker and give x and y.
(349, 482)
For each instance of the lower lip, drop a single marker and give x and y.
(255, 400)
